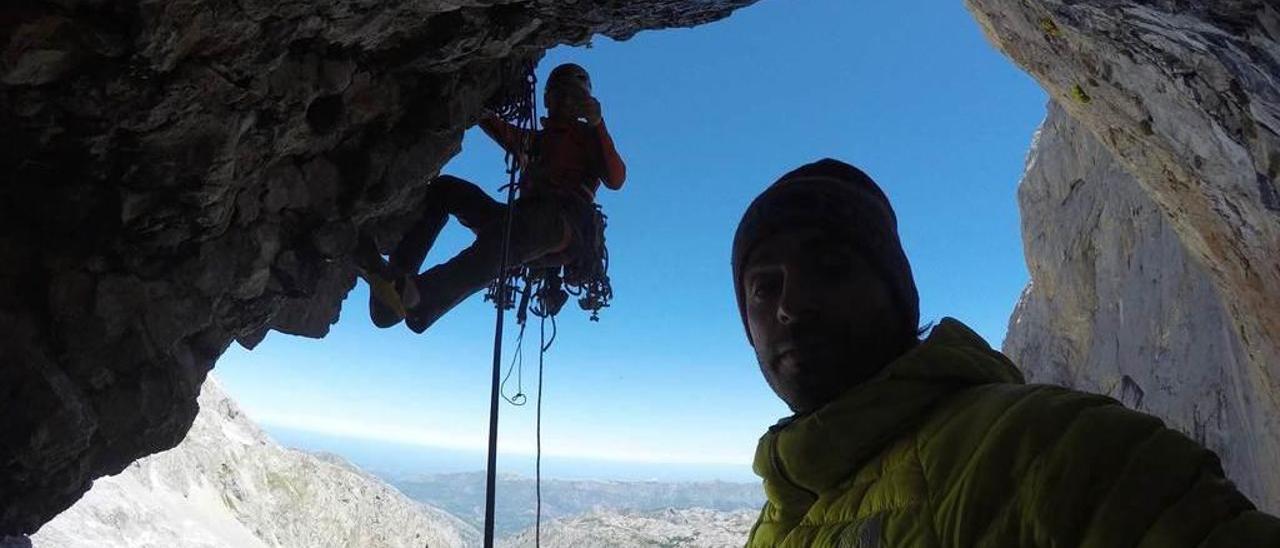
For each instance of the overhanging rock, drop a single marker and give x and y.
(182, 173)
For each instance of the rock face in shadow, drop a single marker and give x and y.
(181, 174)
(1186, 96)
(228, 484)
(1118, 305)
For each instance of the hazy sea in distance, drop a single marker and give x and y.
(393, 460)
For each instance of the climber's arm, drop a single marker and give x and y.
(615, 171)
(509, 137)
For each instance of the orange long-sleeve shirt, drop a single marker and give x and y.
(569, 156)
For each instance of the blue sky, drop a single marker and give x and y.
(706, 118)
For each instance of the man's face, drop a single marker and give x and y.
(567, 92)
(820, 318)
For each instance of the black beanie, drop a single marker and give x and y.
(558, 76)
(840, 200)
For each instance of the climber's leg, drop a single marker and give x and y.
(539, 229)
(386, 307)
(446, 195)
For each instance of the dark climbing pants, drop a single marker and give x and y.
(538, 229)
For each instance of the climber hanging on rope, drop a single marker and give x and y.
(555, 221)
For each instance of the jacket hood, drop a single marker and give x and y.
(808, 454)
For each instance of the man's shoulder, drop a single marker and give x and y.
(1017, 403)
(1009, 420)
(1031, 394)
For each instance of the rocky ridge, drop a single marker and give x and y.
(228, 484)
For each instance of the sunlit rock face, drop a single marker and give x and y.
(228, 484)
(1184, 96)
(1187, 96)
(1119, 306)
(181, 174)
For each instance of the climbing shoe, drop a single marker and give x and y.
(390, 299)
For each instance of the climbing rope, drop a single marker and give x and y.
(539, 303)
(517, 106)
(542, 290)
(543, 345)
(517, 366)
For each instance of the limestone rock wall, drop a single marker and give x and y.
(178, 174)
(1186, 94)
(1117, 305)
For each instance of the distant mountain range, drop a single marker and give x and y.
(228, 485)
(669, 528)
(463, 496)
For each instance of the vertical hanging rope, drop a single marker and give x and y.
(518, 106)
(537, 467)
(586, 279)
(496, 388)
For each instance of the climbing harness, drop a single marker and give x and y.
(580, 271)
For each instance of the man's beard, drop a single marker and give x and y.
(817, 367)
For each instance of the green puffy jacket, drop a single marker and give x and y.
(948, 447)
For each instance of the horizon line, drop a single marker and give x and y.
(272, 422)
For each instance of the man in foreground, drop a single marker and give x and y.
(901, 442)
